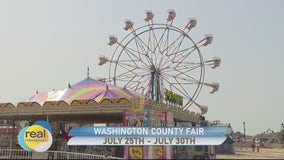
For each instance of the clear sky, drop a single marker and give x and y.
(46, 44)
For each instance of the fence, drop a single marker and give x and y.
(22, 154)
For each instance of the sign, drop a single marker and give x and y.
(133, 136)
(37, 137)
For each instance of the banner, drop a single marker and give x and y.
(98, 135)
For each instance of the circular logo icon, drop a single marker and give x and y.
(37, 137)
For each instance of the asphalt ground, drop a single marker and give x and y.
(264, 153)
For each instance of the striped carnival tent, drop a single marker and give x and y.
(227, 147)
(87, 88)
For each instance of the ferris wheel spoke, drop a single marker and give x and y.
(168, 47)
(125, 78)
(157, 43)
(187, 105)
(162, 49)
(178, 54)
(127, 74)
(137, 84)
(185, 76)
(176, 49)
(173, 88)
(187, 100)
(179, 41)
(177, 86)
(145, 48)
(131, 73)
(150, 42)
(127, 71)
(162, 64)
(131, 80)
(139, 47)
(185, 50)
(189, 79)
(125, 62)
(166, 44)
(183, 83)
(187, 67)
(183, 57)
(165, 62)
(131, 54)
(134, 83)
(151, 47)
(180, 66)
(140, 44)
(125, 65)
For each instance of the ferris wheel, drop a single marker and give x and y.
(161, 61)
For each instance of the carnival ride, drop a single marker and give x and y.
(161, 61)
(272, 135)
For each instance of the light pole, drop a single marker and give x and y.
(244, 123)
(244, 143)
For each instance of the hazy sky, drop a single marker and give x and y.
(45, 44)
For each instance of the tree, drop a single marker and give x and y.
(282, 133)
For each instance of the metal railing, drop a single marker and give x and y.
(22, 154)
(74, 155)
(15, 154)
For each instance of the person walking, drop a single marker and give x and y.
(252, 143)
(257, 144)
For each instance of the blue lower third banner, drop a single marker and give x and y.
(148, 131)
(147, 135)
(92, 140)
